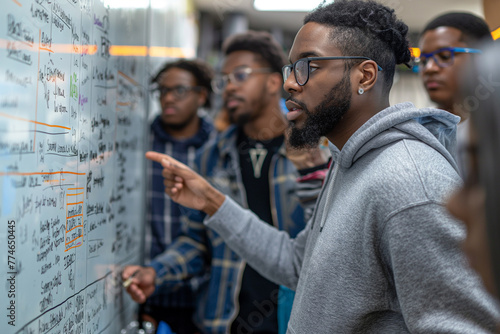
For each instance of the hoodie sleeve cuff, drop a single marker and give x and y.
(223, 221)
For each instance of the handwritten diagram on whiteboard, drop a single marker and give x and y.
(72, 121)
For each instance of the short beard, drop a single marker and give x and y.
(241, 120)
(324, 119)
(179, 126)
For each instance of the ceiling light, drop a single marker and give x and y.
(287, 5)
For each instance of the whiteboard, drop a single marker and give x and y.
(72, 133)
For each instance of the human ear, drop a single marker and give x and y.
(274, 83)
(202, 97)
(366, 76)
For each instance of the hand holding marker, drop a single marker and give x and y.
(128, 281)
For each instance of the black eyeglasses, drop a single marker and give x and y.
(179, 92)
(443, 57)
(301, 68)
(236, 77)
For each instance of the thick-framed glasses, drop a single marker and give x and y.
(236, 77)
(179, 92)
(302, 67)
(443, 57)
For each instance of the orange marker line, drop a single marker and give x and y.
(75, 203)
(74, 247)
(30, 121)
(74, 228)
(46, 49)
(51, 181)
(80, 215)
(17, 3)
(74, 194)
(67, 243)
(128, 78)
(76, 189)
(123, 103)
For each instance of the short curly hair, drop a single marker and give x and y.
(261, 43)
(474, 29)
(369, 29)
(201, 71)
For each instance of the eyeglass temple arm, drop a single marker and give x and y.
(468, 50)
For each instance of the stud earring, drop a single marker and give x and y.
(361, 91)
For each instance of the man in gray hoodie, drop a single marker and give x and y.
(380, 254)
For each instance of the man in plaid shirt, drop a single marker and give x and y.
(183, 87)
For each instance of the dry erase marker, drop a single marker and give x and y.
(128, 281)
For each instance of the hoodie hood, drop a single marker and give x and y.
(434, 127)
(197, 140)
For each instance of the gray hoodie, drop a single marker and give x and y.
(380, 254)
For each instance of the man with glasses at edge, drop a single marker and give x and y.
(182, 88)
(248, 162)
(446, 44)
(380, 254)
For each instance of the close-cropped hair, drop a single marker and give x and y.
(474, 29)
(368, 29)
(261, 43)
(201, 71)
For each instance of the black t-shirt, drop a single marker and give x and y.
(258, 296)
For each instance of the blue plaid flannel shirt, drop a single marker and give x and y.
(163, 215)
(201, 250)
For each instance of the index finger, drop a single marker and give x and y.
(158, 157)
(163, 158)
